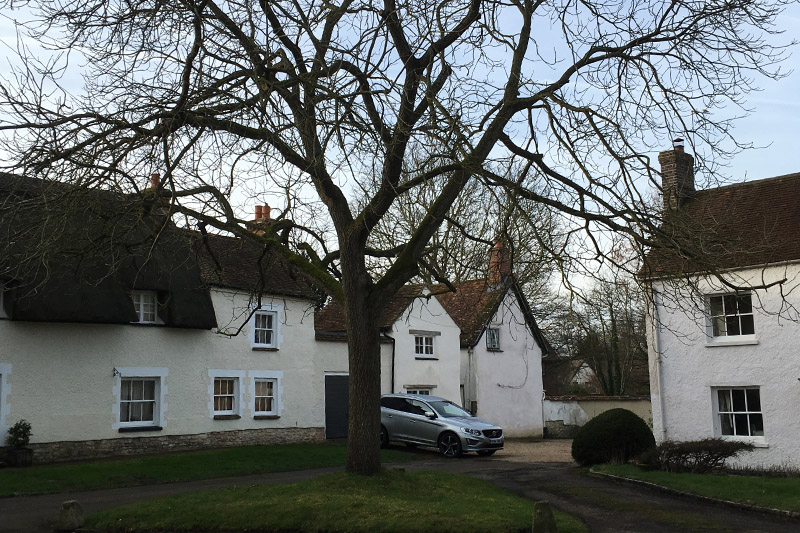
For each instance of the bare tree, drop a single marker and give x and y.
(611, 336)
(323, 103)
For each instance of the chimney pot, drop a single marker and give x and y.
(677, 144)
(262, 212)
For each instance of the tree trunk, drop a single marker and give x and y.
(364, 354)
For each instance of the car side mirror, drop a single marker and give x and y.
(430, 414)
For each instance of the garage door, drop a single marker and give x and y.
(337, 410)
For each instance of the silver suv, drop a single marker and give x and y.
(431, 421)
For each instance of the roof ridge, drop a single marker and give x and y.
(750, 183)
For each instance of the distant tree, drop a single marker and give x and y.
(608, 334)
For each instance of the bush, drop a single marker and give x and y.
(612, 437)
(696, 456)
(19, 435)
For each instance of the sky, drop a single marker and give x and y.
(775, 120)
(772, 126)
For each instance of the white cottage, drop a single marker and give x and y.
(122, 347)
(724, 362)
(479, 346)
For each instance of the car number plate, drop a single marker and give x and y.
(497, 441)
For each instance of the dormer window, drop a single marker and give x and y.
(145, 303)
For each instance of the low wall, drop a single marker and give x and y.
(52, 452)
(565, 415)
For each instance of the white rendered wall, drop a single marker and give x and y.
(508, 383)
(333, 359)
(578, 412)
(443, 370)
(63, 383)
(692, 364)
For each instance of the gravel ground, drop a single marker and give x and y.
(536, 451)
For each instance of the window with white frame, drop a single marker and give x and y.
(264, 396)
(265, 328)
(139, 401)
(731, 315)
(739, 412)
(493, 338)
(145, 303)
(423, 345)
(226, 396)
(265, 393)
(423, 392)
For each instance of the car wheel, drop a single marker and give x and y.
(384, 438)
(486, 453)
(449, 445)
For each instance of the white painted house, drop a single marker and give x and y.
(124, 351)
(113, 343)
(479, 346)
(725, 362)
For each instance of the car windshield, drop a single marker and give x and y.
(448, 409)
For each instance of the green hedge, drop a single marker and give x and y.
(612, 437)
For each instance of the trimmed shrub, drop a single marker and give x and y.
(612, 437)
(695, 456)
(19, 435)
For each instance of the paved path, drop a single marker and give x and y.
(536, 470)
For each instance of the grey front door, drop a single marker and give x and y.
(337, 407)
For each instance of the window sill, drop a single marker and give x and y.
(227, 417)
(265, 349)
(266, 417)
(493, 350)
(743, 340)
(137, 429)
(422, 358)
(757, 442)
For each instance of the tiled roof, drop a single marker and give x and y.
(745, 224)
(470, 307)
(249, 266)
(330, 319)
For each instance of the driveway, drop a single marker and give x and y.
(539, 470)
(544, 471)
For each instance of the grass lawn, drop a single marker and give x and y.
(775, 493)
(392, 501)
(183, 466)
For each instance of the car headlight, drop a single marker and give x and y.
(471, 431)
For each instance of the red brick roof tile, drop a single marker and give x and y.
(745, 224)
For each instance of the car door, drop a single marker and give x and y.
(419, 427)
(393, 417)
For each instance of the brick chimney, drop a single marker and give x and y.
(499, 263)
(677, 175)
(155, 180)
(261, 220)
(262, 213)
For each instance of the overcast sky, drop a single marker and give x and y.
(772, 125)
(775, 121)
